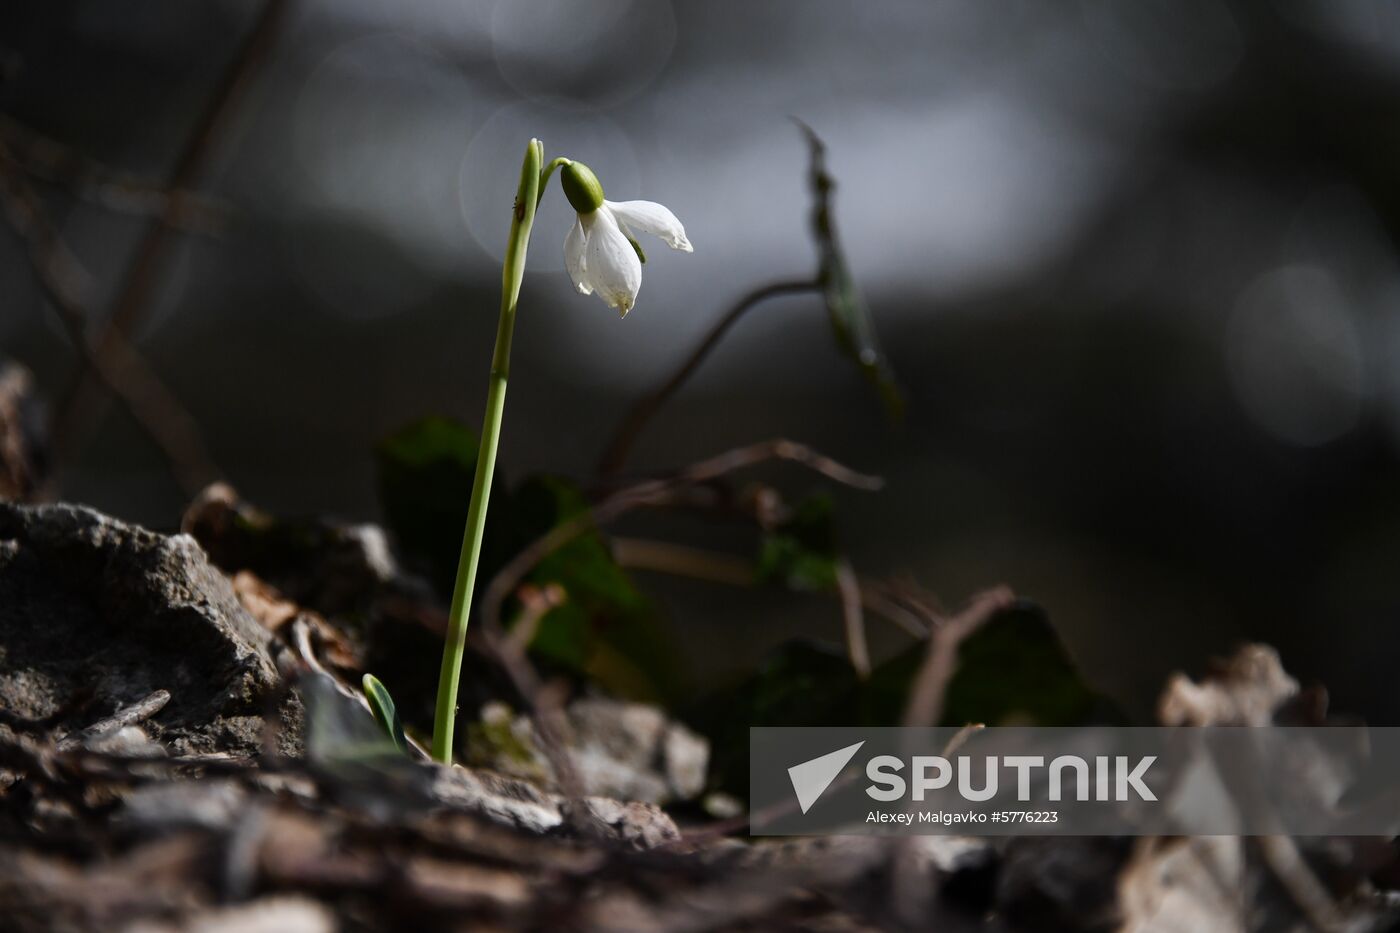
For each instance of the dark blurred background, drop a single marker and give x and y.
(1134, 266)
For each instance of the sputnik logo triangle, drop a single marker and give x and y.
(811, 778)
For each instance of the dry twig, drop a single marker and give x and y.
(925, 706)
(143, 274)
(509, 651)
(698, 564)
(21, 463)
(679, 560)
(654, 493)
(848, 586)
(56, 163)
(615, 455)
(120, 368)
(137, 712)
(910, 888)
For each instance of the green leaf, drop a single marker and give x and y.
(1015, 671)
(800, 683)
(385, 713)
(851, 321)
(1012, 671)
(605, 629)
(801, 553)
(425, 479)
(338, 733)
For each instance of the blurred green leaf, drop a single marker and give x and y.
(338, 733)
(1012, 671)
(801, 679)
(800, 683)
(1015, 671)
(850, 317)
(425, 480)
(606, 628)
(801, 552)
(382, 706)
(584, 565)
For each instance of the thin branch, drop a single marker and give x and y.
(924, 708)
(960, 738)
(910, 885)
(509, 649)
(21, 468)
(535, 604)
(848, 585)
(143, 273)
(1308, 892)
(930, 688)
(57, 163)
(137, 712)
(698, 564)
(907, 593)
(777, 449)
(875, 597)
(679, 560)
(121, 369)
(545, 701)
(653, 493)
(615, 455)
(916, 882)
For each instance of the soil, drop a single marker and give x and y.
(181, 748)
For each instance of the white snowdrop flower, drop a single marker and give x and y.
(600, 251)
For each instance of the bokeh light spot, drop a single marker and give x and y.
(586, 54)
(1295, 356)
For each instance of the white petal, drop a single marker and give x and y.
(575, 258)
(653, 218)
(613, 268)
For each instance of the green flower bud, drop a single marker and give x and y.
(581, 187)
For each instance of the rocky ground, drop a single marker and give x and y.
(181, 747)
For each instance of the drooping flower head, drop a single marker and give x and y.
(600, 251)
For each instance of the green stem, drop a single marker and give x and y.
(513, 271)
(545, 175)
